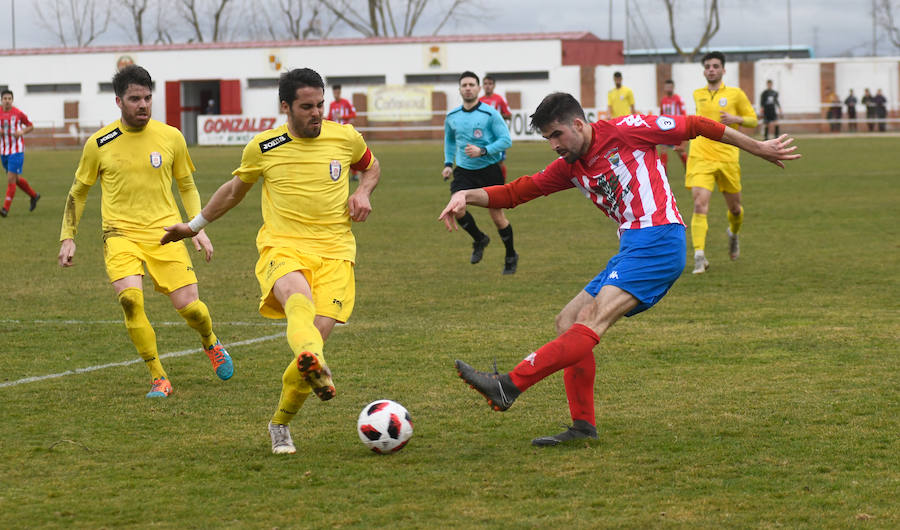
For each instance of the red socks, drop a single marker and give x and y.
(10, 193)
(579, 379)
(569, 349)
(25, 187)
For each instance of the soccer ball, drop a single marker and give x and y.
(384, 426)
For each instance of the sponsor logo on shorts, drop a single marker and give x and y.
(190, 268)
(272, 143)
(273, 265)
(665, 123)
(335, 170)
(155, 159)
(338, 303)
(614, 275)
(108, 137)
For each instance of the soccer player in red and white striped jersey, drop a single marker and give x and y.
(496, 100)
(614, 164)
(14, 124)
(671, 105)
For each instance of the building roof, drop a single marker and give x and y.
(492, 37)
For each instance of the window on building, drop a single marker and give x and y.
(262, 82)
(520, 76)
(56, 88)
(355, 80)
(432, 78)
(108, 86)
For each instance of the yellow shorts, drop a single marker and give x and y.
(169, 265)
(332, 281)
(707, 173)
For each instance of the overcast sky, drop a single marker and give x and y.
(831, 27)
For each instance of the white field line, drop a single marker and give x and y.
(89, 322)
(133, 361)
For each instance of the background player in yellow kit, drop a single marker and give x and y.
(712, 163)
(135, 159)
(620, 100)
(306, 248)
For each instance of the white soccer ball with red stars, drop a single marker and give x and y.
(384, 426)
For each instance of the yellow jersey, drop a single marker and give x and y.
(620, 101)
(135, 168)
(709, 103)
(306, 187)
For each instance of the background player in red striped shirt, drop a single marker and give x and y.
(343, 112)
(14, 124)
(496, 100)
(672, 105)
(614, 164)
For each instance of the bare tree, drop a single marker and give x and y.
(132, 18)
(381, 18)
(198, 12)
(884, 15)
(293, 19)
(73, 22)
(710, 28)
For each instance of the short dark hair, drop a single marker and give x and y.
(489, 76)
(290, 81)
(714, 55)
(558, 106)
(5, 92)
(617, 74)
(131, 75)
(668, 81)
(335, 87)
(466, 74)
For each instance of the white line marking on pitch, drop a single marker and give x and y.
(133, 361)
(82, 322)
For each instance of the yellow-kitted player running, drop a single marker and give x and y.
(135, 158)
(306, 248)
(713, 163)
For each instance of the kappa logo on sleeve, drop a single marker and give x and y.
(633, 121)
(272, 143)
(108, 137)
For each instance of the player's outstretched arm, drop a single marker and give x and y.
(225, 198)
(775, 150)
(360, 201)
(457, 205)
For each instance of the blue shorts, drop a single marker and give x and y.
(647, 265)
(13, 163)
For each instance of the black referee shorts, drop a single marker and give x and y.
(468, 179)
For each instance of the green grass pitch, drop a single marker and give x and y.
(764, 394)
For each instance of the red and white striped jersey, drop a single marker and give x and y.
(621, 173)
(12, 121)
(672, 106)
(341, 111)
(496, 100)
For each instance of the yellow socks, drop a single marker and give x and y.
(734, 221)
(302, 335)
(698, 230)
(197, 316)
(140, 331)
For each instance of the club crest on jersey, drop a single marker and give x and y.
(665, 123)
(335, 170)
(478, 133)
(612, 156)
(155, 159)
(723, 102)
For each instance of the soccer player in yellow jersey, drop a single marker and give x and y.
(713, 163)
(306, 248)
(620, 99)
(136, 159)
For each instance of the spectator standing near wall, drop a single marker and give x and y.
(833, 114)
(869, 102)
(880, 110)
(850, 102)
(771, 109)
